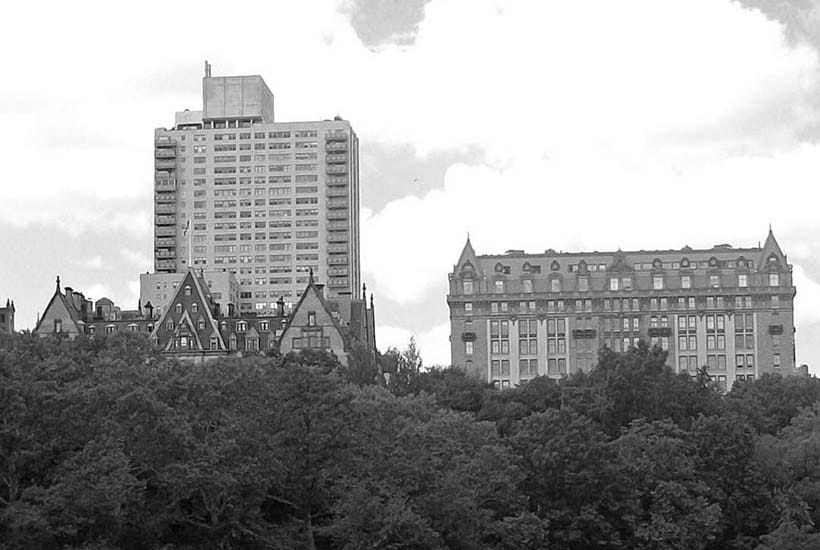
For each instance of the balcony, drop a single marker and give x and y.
(336, 169)
(331, 248)
(336, 158)
(165, 209)
(336, 135)
(166, 220)
(165, 164)
(165, 185)
(468, 337)
(342, 281)
(336, 146)
(337, 203)
(165, 242)
(164, 141)
(165, 253)
(165, 197)
(337, 192)
(165, 265)
(337, 214)
(335, 181)
(166, 154)
(337, 271)
(165, 231)
(337, 225)
(337, 260)
(338, 237)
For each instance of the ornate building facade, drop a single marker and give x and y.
(515, 316)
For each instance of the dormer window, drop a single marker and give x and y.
(774, 279)
(187, 290)
(241, 326)
(178, 308)
(201, 324)
(467, 286)
(311, 318)
(499, 287)
(742, 280)
(194, 307)
(58, 326)
(263, 326)
(614, 283)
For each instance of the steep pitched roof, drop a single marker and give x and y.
(60, 298)
(311, 287)
(199, 295)
(771, 247)
(468, 256)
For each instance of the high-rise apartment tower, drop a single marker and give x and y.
(268, 201)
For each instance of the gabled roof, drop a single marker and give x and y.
(311, 287)
(771, 247)
(198, 293)
(59, 297)
(468, 256)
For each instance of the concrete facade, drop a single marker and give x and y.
(267, 201)
(515, 316)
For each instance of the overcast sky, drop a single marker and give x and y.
(531, 124)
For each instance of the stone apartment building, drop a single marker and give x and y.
(515, 316)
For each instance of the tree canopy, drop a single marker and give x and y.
(106, 444)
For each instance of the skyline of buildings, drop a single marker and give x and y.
(514, 316)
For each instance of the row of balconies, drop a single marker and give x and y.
(165, 231)
(334, 282)
(337, 214)
(340, 271)
(166, 153)
(166, 264)
(335, 181)
(337, 203)
(338, 237)
(336, 158)
(165, 242)
(165, 197)
(165, 184)
(336, 146)
(164, 141)
(336, 248)
(337, 225)
(337, 192)
(165, 209)
(166, 220)
(165, 253)
(336, 169)
(337, 260)
(671, 294)
(165, 164)
(336, 135)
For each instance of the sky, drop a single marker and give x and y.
(570, 125)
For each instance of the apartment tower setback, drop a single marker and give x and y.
(268, 201)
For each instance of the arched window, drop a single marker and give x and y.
(187, 290)
(194, 307)
(178, 308)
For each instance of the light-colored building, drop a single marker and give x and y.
(515, 316)
(268, 201)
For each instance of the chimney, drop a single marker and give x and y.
(280, 306)
(69, 294)
(207, 69)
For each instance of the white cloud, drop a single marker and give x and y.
(433, 345)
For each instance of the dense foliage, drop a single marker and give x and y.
(105, 444)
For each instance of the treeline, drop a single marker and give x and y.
(105, 444)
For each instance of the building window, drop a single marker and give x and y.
(528, 337)
(110, 329)
(187, 290)
(527, 368)
(556, 336)
(468, 348)
(214, 342)
(744, 331)
(774, 279)
(627, 283)
(776, 360)
(201, 324)
(178, 308)
(583, 284)
(499, 287)
(194, 307)
(686, 281)
(657, 282)
(613, 283)
(311, 318)
(526, 285)
(687, 333)
(775, 302)
(555, 285)
(58, 326)
(468, 308)
(241, 326)
(467, 286)
(742, 280)
(500, 337)
(714, 281)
